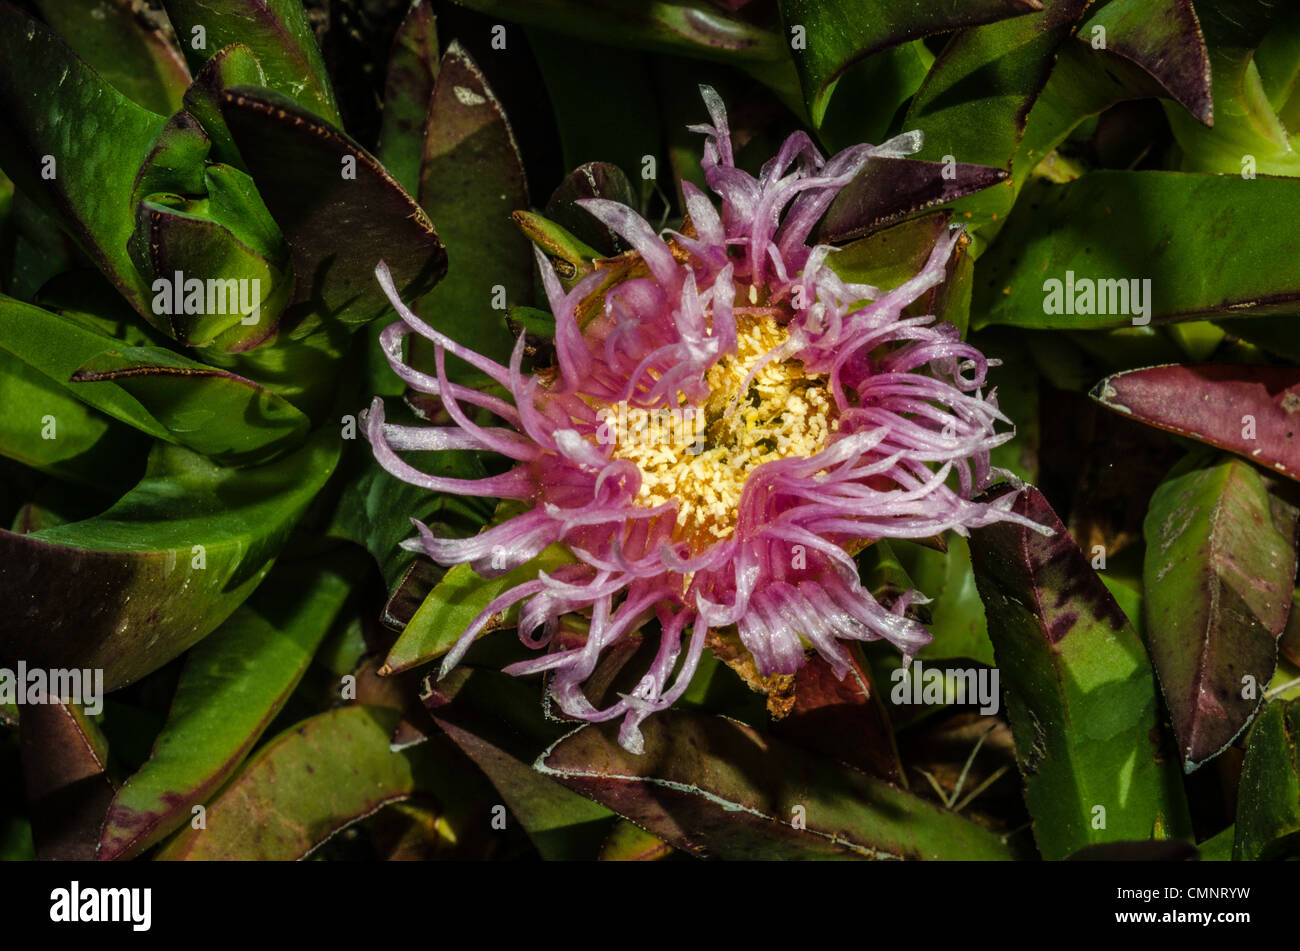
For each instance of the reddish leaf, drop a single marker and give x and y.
(889, 189)
(842, 718)
(65, 769)
(1248, 410)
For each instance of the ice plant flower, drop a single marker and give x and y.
(802, 415)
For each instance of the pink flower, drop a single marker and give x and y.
(709, 443)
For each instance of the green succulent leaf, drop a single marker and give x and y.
(121, 43)
(1268, 812)
(236, 65)
(829, 36)
(455, 602)
(276, 31)
(305, 785)
(408, 90)
(73, 143)
(628, 842)
(233, 684)
(1245, 123)
(629, 129)
(974, 104)
(47, 428)
(715, 787)
(1219, 574)
(179, 553)
(685, 27)
(1080, 693)
(1116, 227)
(156, 391)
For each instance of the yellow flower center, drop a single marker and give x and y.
(702, 456)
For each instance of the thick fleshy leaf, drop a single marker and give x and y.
(471, 180)
(571, 257)
(839, 33)
(408, 89)
(277, 31)
(717, 788)
(497, 721)
(870, 93)
(48, 429)
(130, 589)
(244, 288)
(65, 769)
(1121, 227)
(1163, 37)
(211, 411)
(52, 104)
(455, 602)
(302, 787)
(1245, 124)
(1268, 807)
(1248, 410)
(628, 842)
(1219, 574)
(233, 685)
(154, 390)
(974, 103)
(124, 46)
(889, 189)
(236, 65)
(1080, 693)
(337, 227)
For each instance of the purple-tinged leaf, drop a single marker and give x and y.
(305, 785)
(231, 688)
(593, 180)
(1163, 37)
(471, 180)
(65, 768)
(890, 189)
(1219, 575)
(133, 587)
(1249, 410)
(277, 31)
(1079, 689)
(717, 788)
(337, 227)
(845, 719)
